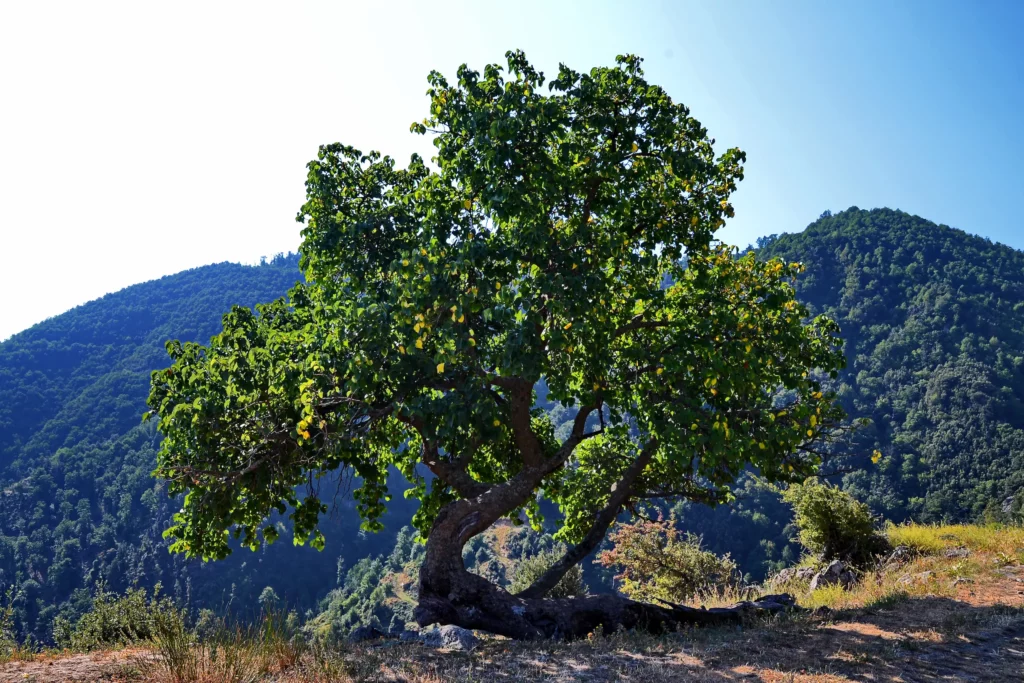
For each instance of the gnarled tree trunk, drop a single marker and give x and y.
(449, 594)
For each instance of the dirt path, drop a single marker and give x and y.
(119, 665)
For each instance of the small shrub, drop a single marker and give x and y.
(833, 524)
(529, 570)
(115, 620)
(8, 639)
(658, 562)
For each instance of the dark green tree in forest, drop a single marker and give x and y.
(567, 236)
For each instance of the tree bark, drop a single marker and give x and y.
(620, 493)
(448, 594)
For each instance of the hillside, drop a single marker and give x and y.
(78, 505)
(935, 326)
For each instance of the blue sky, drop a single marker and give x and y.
(139, 139)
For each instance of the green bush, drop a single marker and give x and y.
(833, 524)
(115, 620)
(529, 570)
(657, 562)
(8, 639)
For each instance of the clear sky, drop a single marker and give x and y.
(138, 139)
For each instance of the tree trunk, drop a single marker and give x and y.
(448, 594)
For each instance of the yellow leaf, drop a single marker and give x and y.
(419, 343)
(401, 349)
(876, 456)
(635, 148)
(693, 221)
(810, 432)
(472, 342)
(468, 204)
(497, 285)
(762, 446)
(405, 262)
(497, 423)
(440, 368)
(462, 318)
(714, 392)
(567, 326)
(814, 420)
(748, 348)
(659, 371)
(423, 251)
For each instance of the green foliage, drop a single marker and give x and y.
(116, 620)
(8, 635)
(657, 562)
(376, 591)
(540, 247)
(833, 525)
(531, 568)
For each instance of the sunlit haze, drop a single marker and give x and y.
(140, 139)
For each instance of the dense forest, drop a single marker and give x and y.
(934, 323)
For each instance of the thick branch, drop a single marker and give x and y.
(620, 493)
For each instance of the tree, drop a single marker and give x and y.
(567, 236)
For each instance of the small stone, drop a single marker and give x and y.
(835, 573)
(457, 638)
(957, 552)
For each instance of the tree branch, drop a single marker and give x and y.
(620, 492)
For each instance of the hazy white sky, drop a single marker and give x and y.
(138, 139)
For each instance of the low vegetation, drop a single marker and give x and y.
(925, 609)
(659, 563)
(833, 525)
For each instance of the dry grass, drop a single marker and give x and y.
(930, 539)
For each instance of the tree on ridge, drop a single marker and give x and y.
(565, 237)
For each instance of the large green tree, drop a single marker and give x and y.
(566, 236)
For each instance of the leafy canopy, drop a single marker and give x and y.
(565, 235)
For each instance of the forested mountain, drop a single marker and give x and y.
(933, 320)
(934, 323)
(77, 502)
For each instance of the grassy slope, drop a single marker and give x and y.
(936, 617)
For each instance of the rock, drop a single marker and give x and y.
(1008, 505)
(406, 635)
(900, 555)
(365, 633)
(449, 637)
(457, 638)
(792, 574)
(957, 552)
(836, 573)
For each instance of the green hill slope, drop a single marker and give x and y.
(934, 323)
(77, 502)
